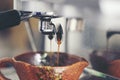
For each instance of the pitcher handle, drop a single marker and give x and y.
(3, 63)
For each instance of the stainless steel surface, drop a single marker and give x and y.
(94, 13)
(28, 5)
(99, 74)
(75, 24)
(30, 35)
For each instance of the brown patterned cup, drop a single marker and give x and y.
(42, 66)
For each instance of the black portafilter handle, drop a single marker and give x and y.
(9, 19)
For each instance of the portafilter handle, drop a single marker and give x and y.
(12, 18)
(9, 19)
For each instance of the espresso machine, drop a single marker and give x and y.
(50, 16)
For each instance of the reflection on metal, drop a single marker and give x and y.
(75, 24)
(30, 35)
(50, 1)
(10, 73)
(109, 34)
(17, 5)
(98, 74)
(32, 5)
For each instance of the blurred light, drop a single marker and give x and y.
(36, 6)
(110, 7)
(51, 1)
(75, 24)
(33, 5)
(70, 11)
(37, 59)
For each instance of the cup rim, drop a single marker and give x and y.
(79, 58)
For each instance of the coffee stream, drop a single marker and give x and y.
(59, 39)
(58, 52)
(59, 33)
(50, 51)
